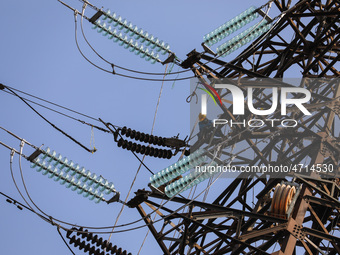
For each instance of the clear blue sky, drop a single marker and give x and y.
(38, 55)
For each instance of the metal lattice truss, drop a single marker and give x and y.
(231, 224)
(292, 214)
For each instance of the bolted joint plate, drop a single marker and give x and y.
(295, 229)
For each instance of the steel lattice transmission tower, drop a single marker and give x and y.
(290, 214)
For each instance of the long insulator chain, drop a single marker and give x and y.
(132, 31)
(231, 26)
(104, 246)
(243, 38)
(177, 169)
(146, 138)
(187, 182)
(130, 36)
(144, 150)
(74, 177)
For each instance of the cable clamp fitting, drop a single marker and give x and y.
(22, 143)
(12, 153)
(76, 12)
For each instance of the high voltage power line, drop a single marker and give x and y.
(269, 215)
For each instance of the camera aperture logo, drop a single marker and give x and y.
(238, 102)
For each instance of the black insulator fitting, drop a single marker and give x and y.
(119, 251)
(87, 247)
(85, 234)
(147, 151)
(142, 137)
(123, 131)
(94, 239)
(125, 143)
(138, 148)
(151, 139)
(169, 155)
(104, 244)
(114, 249)
(92, 250)
(109, 247)
(82, 245)
(134, 147)
(155, 140)
(137, 137)
(78, 233)
(120, 142)
(89, 237)
(146, 139)
(128, 132)
(164, 154)
(142, 151)
(105, 247)
(69, 232)
(186, 152)
(97, 252)
(100, 241)
(160, 141)
(129, 145)
(76, 241)
(161, 154)
(152, 151)
(72, 240)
